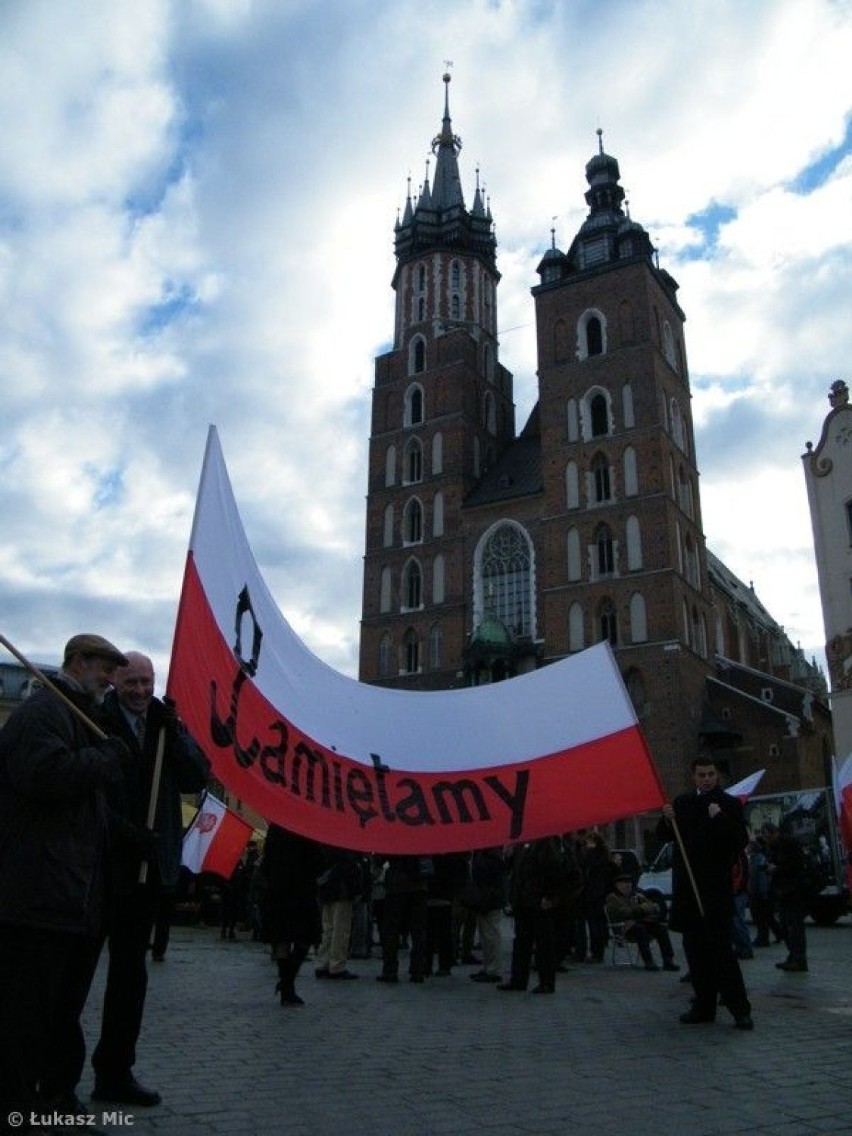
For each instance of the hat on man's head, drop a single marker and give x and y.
(624, 876)
(93, 645)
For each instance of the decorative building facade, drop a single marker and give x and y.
(828, 474)
(489, 552)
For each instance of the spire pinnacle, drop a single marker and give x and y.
(599, 133)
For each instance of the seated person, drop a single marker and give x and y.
(643, 920)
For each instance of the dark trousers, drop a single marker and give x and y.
(128, 936)
(404, 912)
(45, 978)
(643, 934)
(713, 967)
(439, 936)
(793, 924)
(535, 930)
(163, 922)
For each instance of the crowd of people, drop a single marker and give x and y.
(92, 769)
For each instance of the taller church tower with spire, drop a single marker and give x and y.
(489, 553)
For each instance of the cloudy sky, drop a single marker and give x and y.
(197, 201)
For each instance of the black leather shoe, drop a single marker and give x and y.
(345, 974)
(510, 986)
(743, 1022)
(128, 1091)
(793, 967)
(695, 1017)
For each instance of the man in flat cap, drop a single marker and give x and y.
(54, 771)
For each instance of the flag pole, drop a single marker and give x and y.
(54, 689)
(686, 864)
(155, 793)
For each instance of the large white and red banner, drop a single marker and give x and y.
(379, 770)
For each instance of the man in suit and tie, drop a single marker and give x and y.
(146, 863)
(710, 831)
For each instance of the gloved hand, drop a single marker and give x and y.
(168, 716)
(147, 842)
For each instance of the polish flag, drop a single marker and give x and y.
(215, 840)
(843, 800)
(381, 770)
(744, 789)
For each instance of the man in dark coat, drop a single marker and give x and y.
(53, 879)
(711, 825)
(132, 713)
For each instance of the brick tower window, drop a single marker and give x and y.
(608, 623)
(594, 336)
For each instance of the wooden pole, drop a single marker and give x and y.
(687, 865)
(51, 686)
(155, 792)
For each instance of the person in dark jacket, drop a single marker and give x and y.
(405, 912)
(53, 879)
(291, 916)
(787, 868)
(146, 863)
(711, 825)
(534, 895)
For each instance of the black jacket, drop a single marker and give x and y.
(53, 816)
(185, 770)
(712, 844)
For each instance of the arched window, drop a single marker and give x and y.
(572, 420)
(385, 590)
(438, 579)
(607, 623)
(455, 307)
(455, 275)
(390, 466)
(412, 585)
(387, 535)
(435, 642)
(385, 656)
(605, 554)
(638, 619)
(631, 474)
(720, 634)
(421, 278)
(600, 478)
(488, 362)
(413, 461)
(591, 334)
(576, 634)
(677, 425)
(634, 544)
(635, 684)
(438, 515)
(627, 406)
(669, 346)
(575, 569)
(417, 355)
(594, 336)
(490, 413)
(598, 415)
(412, 522)
(504, 570)
(413, 406)
(572, 486)
(437, 454)
(410, 652)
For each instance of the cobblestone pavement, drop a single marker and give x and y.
(604, 1056)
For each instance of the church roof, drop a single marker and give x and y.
(516, 473)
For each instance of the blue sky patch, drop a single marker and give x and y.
(818, 172)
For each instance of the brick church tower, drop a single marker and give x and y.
(490, 553)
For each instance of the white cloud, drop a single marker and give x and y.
(196, 225)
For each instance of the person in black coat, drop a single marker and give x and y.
(711, 825)
(291, 916)
(54, 879)
(132, 713)
(534, 893)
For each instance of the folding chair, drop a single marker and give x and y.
(622, 951)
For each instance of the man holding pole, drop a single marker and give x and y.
(147, 827)
(709, 830)
(55, 765)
